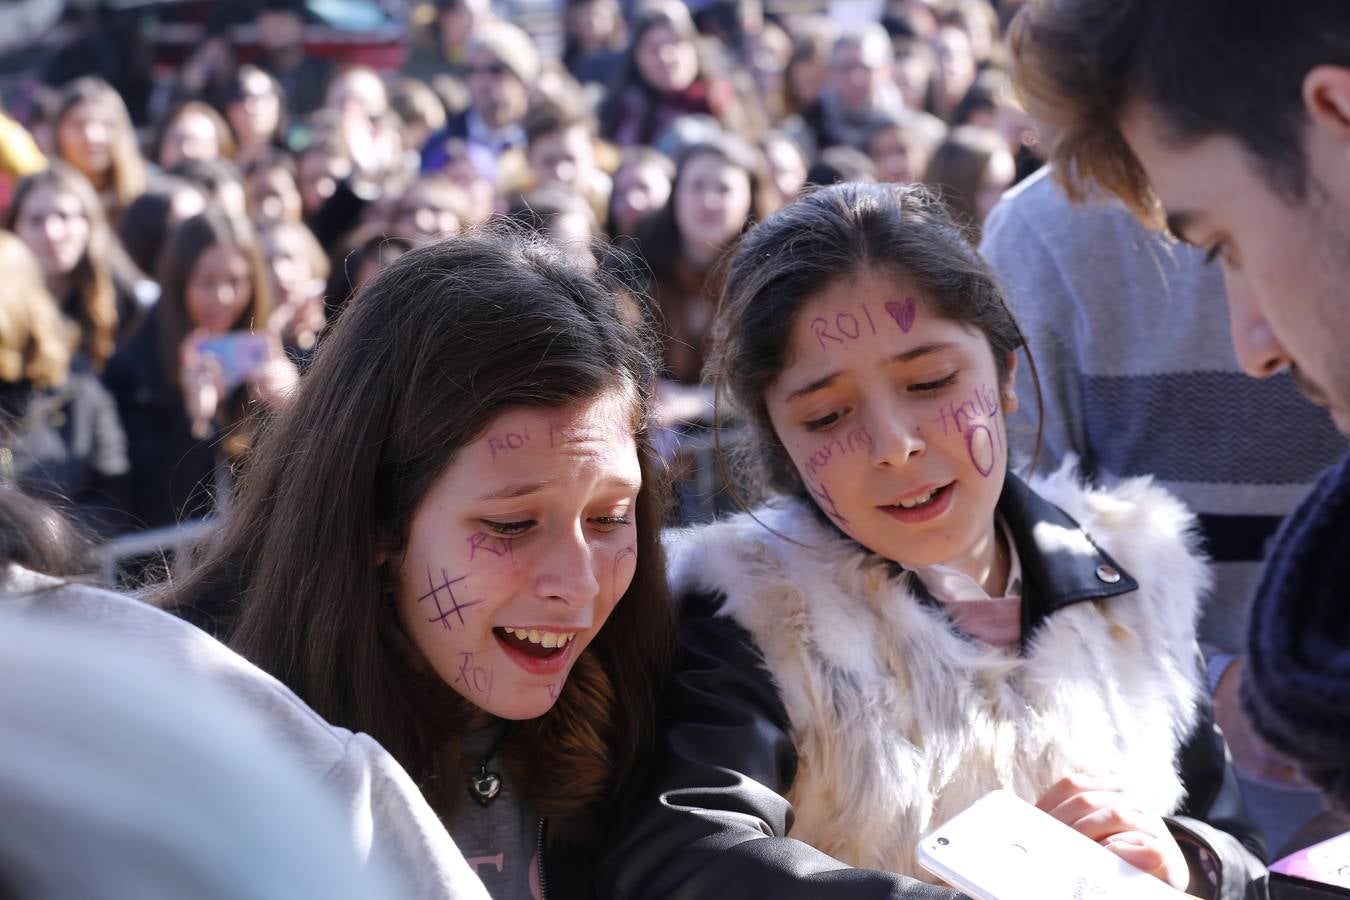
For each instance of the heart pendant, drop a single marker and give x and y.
(484, 787)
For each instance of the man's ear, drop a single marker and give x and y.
(1010, 401)
(1326, 94)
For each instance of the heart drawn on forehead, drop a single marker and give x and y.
(903, 313)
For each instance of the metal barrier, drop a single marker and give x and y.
(126, 560)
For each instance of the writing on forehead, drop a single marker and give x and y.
(860, 320)
(507, 441)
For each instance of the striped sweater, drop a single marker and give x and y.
(1130, 337)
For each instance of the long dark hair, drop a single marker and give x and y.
(433, 349)
(192, 238)
(628, 73)
(659, 235)
(791, 258)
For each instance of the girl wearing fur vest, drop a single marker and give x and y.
(931, 627)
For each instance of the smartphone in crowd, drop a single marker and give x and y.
(1003, 848)
(239, 353)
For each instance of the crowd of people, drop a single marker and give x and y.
(260, 194)
(435, 356)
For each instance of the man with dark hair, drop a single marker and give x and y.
(1229, 122)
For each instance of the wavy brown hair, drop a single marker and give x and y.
(126, 175)
(186, 245)
(104, 263)
(435, 347)
(1204, 67)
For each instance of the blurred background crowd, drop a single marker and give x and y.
(191, 191)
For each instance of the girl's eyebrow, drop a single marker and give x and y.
(818, 384)
(922, 350)
(908, 356)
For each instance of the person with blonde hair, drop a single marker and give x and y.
(92, 132)
(60, 436)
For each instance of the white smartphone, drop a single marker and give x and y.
(1003, 848)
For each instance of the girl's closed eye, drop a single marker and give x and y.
(932, 387)
(508, 528)
(611, 522)
(824, 423)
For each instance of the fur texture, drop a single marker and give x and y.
(900, 722)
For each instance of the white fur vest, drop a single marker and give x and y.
(900, 722)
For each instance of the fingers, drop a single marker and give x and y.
(1077, 783)
(1139, 850)
(1102, 814)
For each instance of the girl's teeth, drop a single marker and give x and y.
(549, 639)
(918, 501)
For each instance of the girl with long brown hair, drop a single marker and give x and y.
(449, 540)
(59, 217)
(93, 133)
(179, 404)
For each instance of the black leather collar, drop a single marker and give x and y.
(1054, 576)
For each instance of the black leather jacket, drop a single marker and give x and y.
(715, 821)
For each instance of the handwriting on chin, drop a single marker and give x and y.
(475, 678)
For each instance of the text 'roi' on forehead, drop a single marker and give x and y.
(907, 356)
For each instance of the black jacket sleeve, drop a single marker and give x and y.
(714, 822)
(1224, 848)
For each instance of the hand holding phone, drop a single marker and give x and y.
(1003, 848)
(239, 355)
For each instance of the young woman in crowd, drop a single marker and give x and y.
(903, 625)
(719, 188)
(899, 148)
(271, 189)
(449, 541)
(152, 217)
(60, 437)
(59, 217)
(641, 186)
(182, 406)
(662, 78)
(297, 271)
(193, 131)
(92, 132)
(255, 110)
(970, 170)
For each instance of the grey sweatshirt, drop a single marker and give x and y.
(381, 816)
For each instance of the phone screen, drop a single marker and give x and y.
(240, 354)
